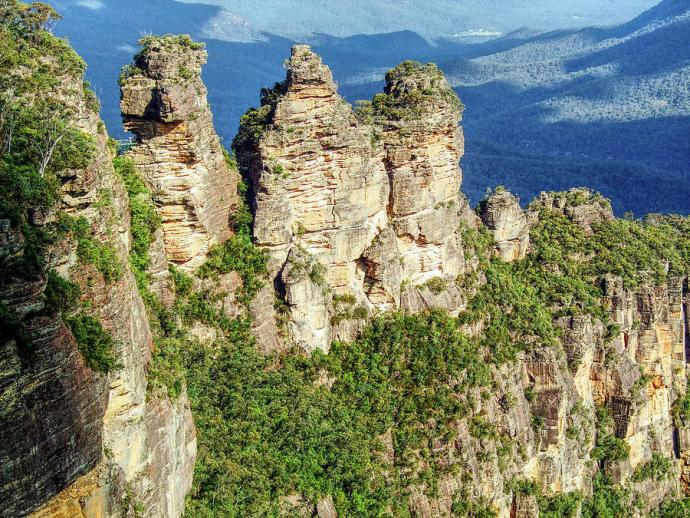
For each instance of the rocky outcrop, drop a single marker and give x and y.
(92, 441)
(51, 409)
(502, 215)
(164, 104)
(582, 206)
(372, 197)
(418, 116)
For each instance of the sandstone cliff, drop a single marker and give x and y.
(164, 104)
(362, 213)
(539, 356)
(366, 197)
(94, 441)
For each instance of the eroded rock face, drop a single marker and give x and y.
(51, 410)
(318, 182)
(502, 215)
(375, 201)
(87, 439)
(164, 104)
(423, 143)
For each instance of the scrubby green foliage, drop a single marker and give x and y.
(240, 255)
(41, 87)
(170, 42)
(94, 342)
(38, 139)
(476, 243)
(517, 318)
(253, 124)
(563, 505)
(12, 328)
(675, 509)
(400, 101)
(608, 447)
(681, 410)
(102, 255)
(267, 428)
(408, 371)
(607, 500)
(437, 285)
(144, 220)
(60, 294)
(635, 250)
(656, 468)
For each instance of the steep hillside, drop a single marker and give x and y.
(84, 433)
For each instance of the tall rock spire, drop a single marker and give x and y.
(362, 203)
(418, 114)
(164, 104)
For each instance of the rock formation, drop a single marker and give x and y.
(164, 104)
(584, 207)
(360, 212)
(502, 215)
(371, 198)
(92, 441)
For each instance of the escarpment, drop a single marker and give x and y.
(164, 104)
(81, 437)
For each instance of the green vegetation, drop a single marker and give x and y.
(61, 295)
(38, 142)
(518, 319)
(103, 256)
(268, 429)
(253, 124)
(564, 505)
(400, 102)
(185, 73)
(345, 307)
(238, 254)
(607, 500)
(144, 220)
(681, 410)
(170, 42)
(437, 285)
(37, 138)
(675, 509)
(656, 468)
(608, 446)
(94, 342)
(127, 72)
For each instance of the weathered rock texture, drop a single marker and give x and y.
(164, 104)
(502, 215)
(374, 203)
(95, 439)
(549, 438)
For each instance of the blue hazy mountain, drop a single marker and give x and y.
(430, 18)
(614, 102)
(606, 107)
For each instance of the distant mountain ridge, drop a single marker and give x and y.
(599, 95)
(299, 19)
(596, 106)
